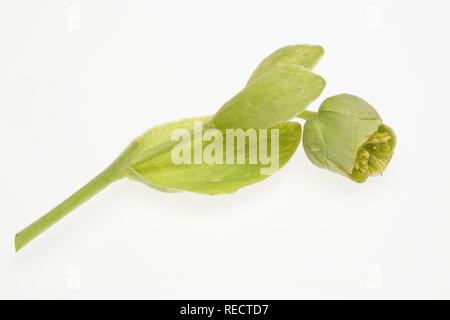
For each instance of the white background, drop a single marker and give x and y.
(80, 79)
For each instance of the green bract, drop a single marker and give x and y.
(277, 96)
(347, 136)
(208, 178)
(303, 55)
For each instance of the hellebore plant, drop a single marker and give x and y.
(346, 136)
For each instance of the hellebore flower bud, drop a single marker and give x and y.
(347, 136)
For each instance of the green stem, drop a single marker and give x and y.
(155, 151)
(307, 115)
(113, 173)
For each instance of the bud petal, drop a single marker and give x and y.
(348, 137)
(350, 105)
(314, 144)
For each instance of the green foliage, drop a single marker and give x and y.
(277, 96)
(161, 171)
(303, 55)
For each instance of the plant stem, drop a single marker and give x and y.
(307, 115)
(113, 173)
(155, 151)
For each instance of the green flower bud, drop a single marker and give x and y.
(347, 136)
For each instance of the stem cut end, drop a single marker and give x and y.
(18, 244)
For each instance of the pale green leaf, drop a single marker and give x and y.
(278, 96)
(204, 178)
(303, 55)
